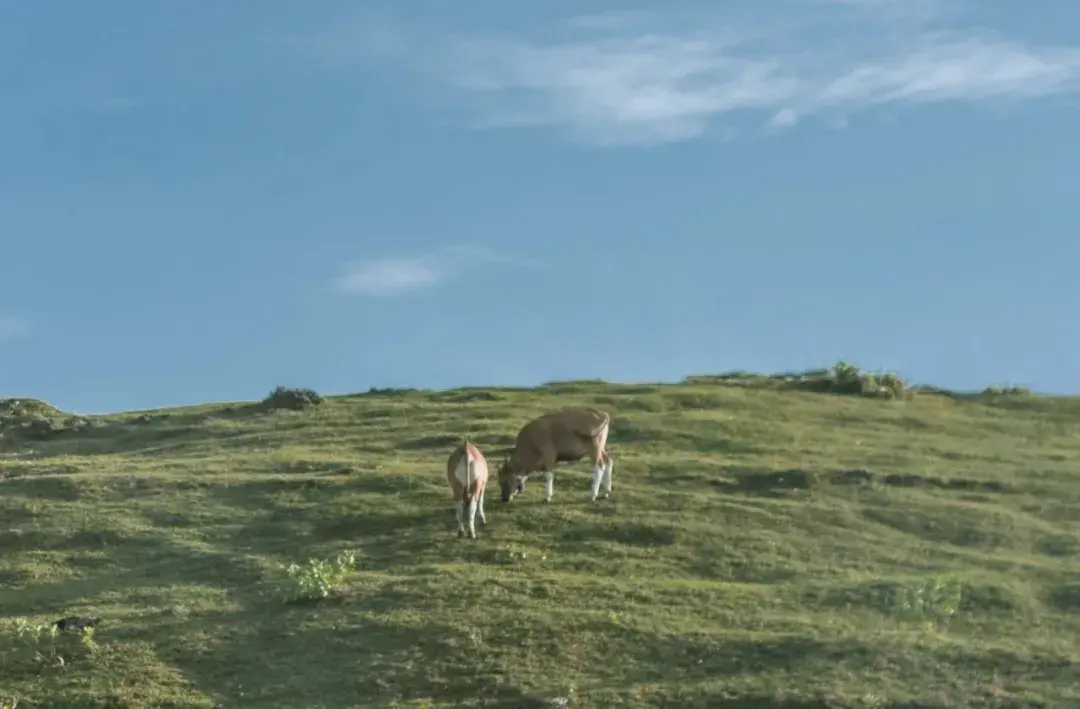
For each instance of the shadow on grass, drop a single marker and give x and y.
(446, 442)
(458, 397)
(690, 657)
(1066, 598)
(387, 530)
(111, 565)
(82, 541)
(440, 441)
(722, 699)
(778, 482)
(164, 433)
(378, 647)
(628, 533)
(712, 444)
(47, 486)
(381, 660)
(765, 483)
(962, 527)
(1058, 545)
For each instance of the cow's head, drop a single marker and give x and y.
(510, 483)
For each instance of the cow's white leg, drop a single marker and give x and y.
(471, 516)
(608, 465)
(480, 508)
(597, 474)
(459, 507)
(549, 485)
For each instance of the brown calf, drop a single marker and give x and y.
(467, 473)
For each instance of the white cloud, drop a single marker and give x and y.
(13, 328)
(397, 276)
(613, 80)
(388, 276)
(784, 118)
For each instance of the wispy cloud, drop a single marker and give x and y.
(13, 328)
(784, 117)
(397, 276)
(628, 79)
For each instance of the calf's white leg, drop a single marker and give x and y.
(549, 485)
(480, 508)
(459, 507)
(609, 464)
(597, 474)
(471, 515)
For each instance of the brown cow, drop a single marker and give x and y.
(467, 473)
(558, 437)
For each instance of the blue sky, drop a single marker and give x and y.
(201, 199)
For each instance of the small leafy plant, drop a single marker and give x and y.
(26, 642)
(86, 637)
(508, 556)
(930, 600)
(318, 578)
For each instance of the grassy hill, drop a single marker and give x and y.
(766, 545)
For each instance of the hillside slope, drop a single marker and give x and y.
(762, 548)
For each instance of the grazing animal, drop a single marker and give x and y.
(558, 437)
(467, 473)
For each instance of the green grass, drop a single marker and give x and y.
(764, 547)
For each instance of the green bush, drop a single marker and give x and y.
(1008, 390)
(34, 419)
(843, 378)
(847, 379)
(16, 410)
(291, 399)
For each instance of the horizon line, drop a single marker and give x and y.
(687, 380)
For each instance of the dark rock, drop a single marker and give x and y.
(76, 623)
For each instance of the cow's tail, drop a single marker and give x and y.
(470, 469)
